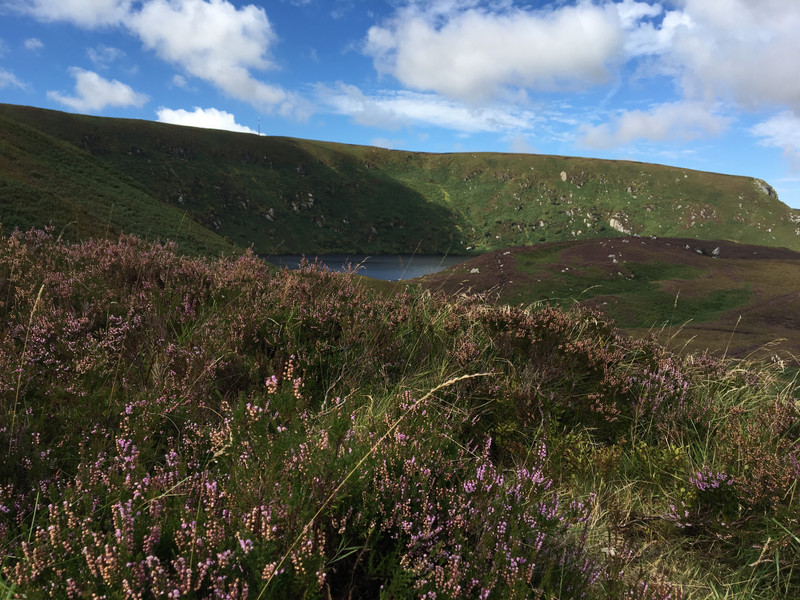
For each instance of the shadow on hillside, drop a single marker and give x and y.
(274, 194)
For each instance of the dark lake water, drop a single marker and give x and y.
(389, 267)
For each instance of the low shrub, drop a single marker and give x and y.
(183, 427)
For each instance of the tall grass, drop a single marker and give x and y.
(181, 427)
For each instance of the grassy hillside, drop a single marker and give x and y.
(721, 296)
(290, 195)
(45, 180)
(184, 427)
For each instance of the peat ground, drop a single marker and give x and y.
(693, 295)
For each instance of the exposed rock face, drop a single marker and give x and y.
(766, 188)
(618, 226)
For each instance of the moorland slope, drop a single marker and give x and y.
(726, 297)
(44, 180)
(290, 195)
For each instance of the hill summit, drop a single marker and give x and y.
(89, 175)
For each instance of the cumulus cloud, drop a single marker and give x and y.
(392, 109)
(208, 118)
(678, 121)
(94, 93)
(213, 40)
(217, 42)
(85, 13)
(782, 131)
(644, 35)
(735, 50)
(474, 54)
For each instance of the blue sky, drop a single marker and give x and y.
(704, 84)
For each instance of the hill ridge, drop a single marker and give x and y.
(281, 194)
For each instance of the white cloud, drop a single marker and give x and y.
(782, 131)
(208, 118)
(738, 50)
(213, 40)
(8, 79)
(33, 44)
(85, 13)
(631, 11)
(394, 109)
(205, 37)
(94, 93)
(217, 42)
(734, 52)
(102, 56)
(645, 37)
(678, 121)
(473, 55)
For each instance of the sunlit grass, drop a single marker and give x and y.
(284, 195)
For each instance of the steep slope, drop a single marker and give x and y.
(291, 195)
(278, 194)
(45, 180)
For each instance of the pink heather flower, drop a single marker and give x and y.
(246, 545)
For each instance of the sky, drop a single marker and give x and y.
(712, 85)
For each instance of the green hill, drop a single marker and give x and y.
(291, 195)
(45, 180)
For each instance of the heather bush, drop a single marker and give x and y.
(182, 427)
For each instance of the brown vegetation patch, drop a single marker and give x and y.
(768, 323)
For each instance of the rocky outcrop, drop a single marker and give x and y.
(766, 188)
(615, 224)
